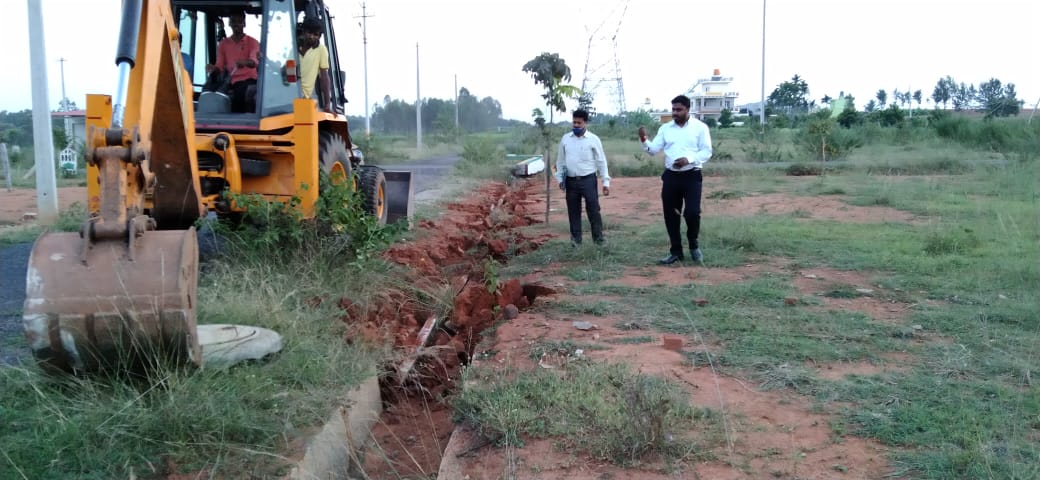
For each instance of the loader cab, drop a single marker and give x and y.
(203, 24)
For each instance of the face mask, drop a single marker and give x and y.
(578, 131)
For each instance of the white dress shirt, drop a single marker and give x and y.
(692, 141)
(580, 156)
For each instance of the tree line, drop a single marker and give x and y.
(16, 129)
(397, 117)
(992, 97)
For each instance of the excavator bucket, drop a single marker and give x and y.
(399, 196)
(93, 306)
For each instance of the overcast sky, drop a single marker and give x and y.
(663, 47)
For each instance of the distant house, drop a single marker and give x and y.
(75, 124)
(708, 98)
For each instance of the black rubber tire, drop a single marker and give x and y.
(373, 191)
(332, 151)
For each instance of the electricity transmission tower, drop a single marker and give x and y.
(598, 75)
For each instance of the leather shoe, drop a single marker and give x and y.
(670, 259)
(696, 255)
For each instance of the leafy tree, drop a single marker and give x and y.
(726, 118)
(964, 97)
(643, 117)
(585, 103)
(826, 99)
(882, 97)
(871, 106)
(550, 71)
(943, 91)
(998, 100)
(917, 97)
(60, 138)
(891, 116)
(16, 127)
(790, 97)
(849, 117)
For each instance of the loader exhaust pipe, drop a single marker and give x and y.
(126, 56)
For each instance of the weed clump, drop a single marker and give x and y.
(278, 231)
(604, 410)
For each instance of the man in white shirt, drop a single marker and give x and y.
(580, 157)
(686, 143)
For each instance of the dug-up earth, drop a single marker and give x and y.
(18, 206)
(768, 434)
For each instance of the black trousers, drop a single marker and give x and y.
(243, 98)
(578, 188)
(681, 198)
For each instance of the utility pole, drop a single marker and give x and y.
(364, 40)
(456, 103)
(65, 104)
(6, 162)
(418, 103)
(43, 137)
(762, 110)
(64, 98)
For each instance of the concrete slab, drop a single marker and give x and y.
(336, 452)
(224, 345)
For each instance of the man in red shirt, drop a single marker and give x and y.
(238, 56)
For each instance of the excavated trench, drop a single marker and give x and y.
(457, 254)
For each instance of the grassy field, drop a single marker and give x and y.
(966, 405)
(233, 423)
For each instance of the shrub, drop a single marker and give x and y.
(958, 241)
(277, 231)
(802, 169)
(822, 139)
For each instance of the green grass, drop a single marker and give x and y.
(603, 410)
(564, 348)
(239, 422)
(966, 405)
(68, 220)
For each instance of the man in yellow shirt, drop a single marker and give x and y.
(314, 63)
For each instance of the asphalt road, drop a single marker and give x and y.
(426, 174)
(14, 259)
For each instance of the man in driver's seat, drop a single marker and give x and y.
(238, 56)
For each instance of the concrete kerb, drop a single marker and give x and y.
(451, 468)
(337, 450)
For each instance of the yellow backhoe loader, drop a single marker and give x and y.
(168, 149)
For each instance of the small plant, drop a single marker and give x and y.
(843, 291)
(951, 242)
(603, 410)
(565, 348)
(278, 231)
(491, 275)
(802, 169)
(724, 195)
